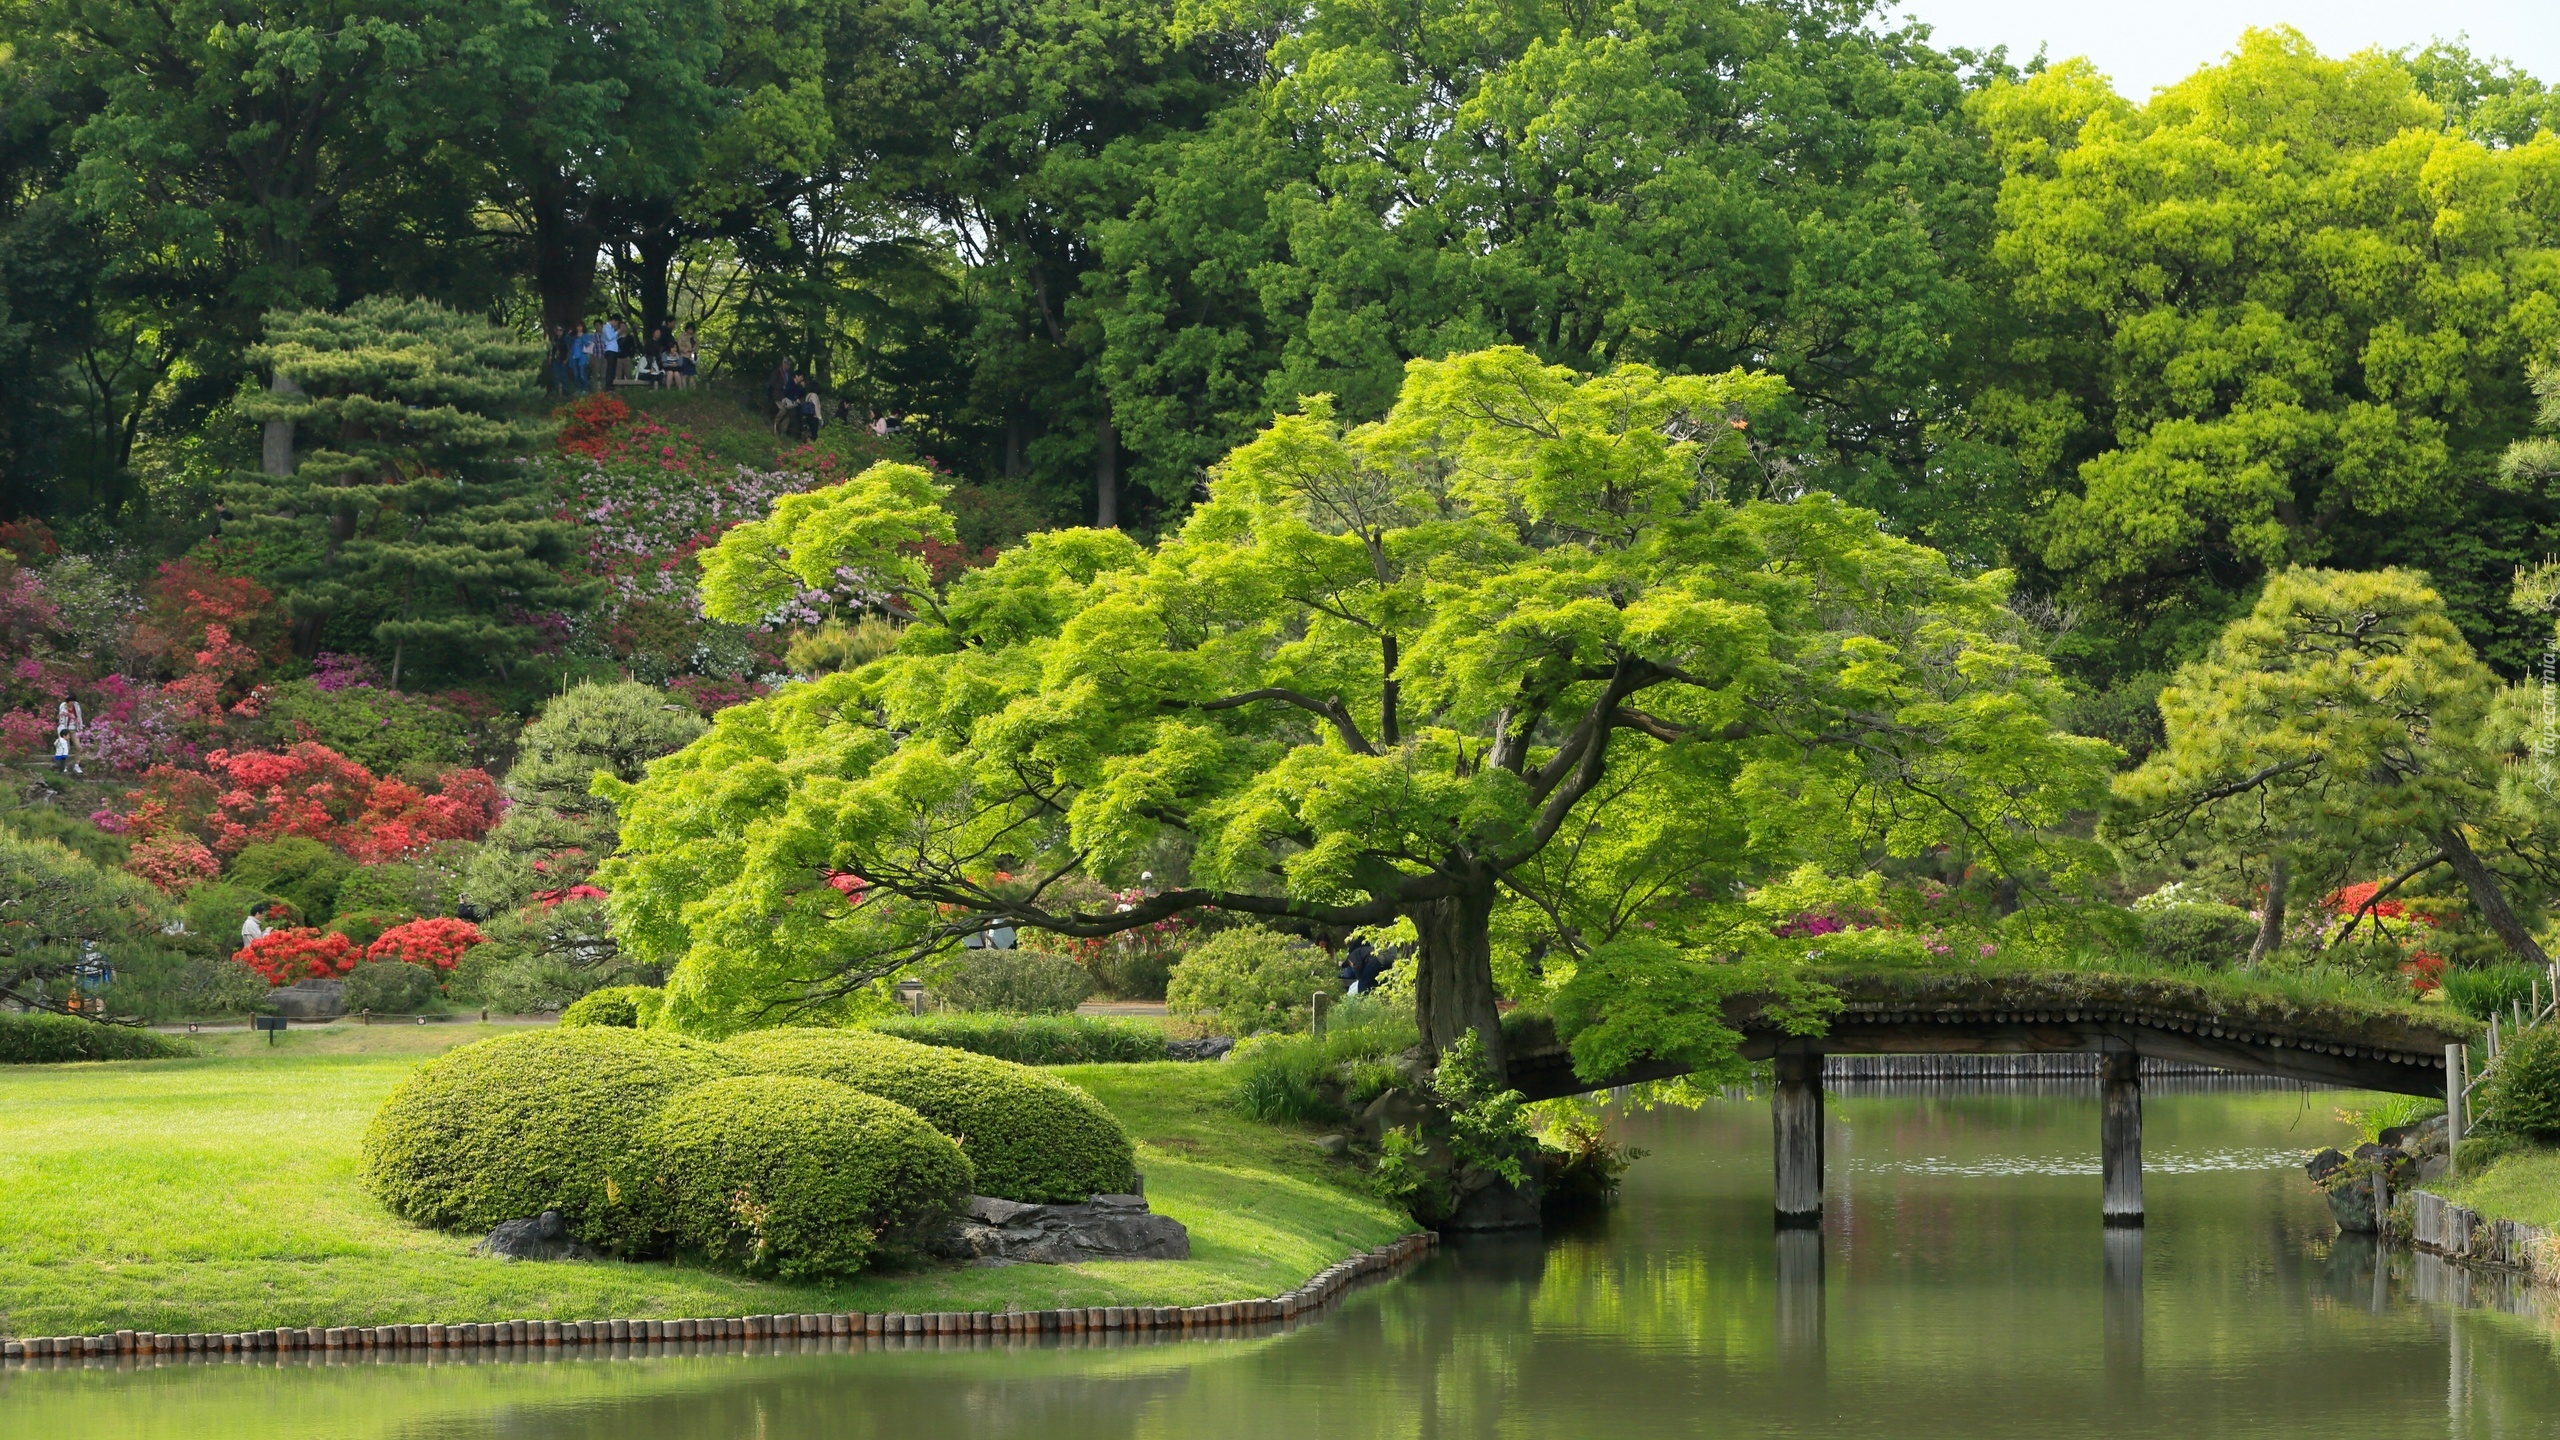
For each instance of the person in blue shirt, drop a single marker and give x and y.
(580, 347)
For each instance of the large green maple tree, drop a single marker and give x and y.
(1529, 649)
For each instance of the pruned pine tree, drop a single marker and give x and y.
(406, 483)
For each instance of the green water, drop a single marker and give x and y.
(1961, 1287)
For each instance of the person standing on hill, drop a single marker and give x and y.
(610, 353)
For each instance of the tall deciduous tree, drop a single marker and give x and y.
(1394, 673)
(2341, 730)
(2276, 316)
(409, 490)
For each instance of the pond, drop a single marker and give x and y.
(1961, 1286)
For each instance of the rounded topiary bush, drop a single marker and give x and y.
(802, 1179)
(2199, 935)
(2522, 1095)
(1249, 981)
(626, 1007)
(59, 1039)
(1029, 1136)
(550, 1119)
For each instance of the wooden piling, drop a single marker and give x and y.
(2120, 1136)
(1795, 1114)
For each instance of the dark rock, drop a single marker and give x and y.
(1335, 1145)
(310, 1000)
(1208, 1047)
(2324, 1164)
(1488, 1202)
(1107, 1227)
(543, 1237)
(1394, 1110)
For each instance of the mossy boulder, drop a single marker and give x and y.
(1029, 1136)
(552, 1119)
(802, 1179)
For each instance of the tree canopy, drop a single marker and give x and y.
(1531, 655)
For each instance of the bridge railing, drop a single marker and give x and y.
(2543, 1007)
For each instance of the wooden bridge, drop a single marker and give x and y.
(2123, 1022)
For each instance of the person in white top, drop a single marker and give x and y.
(250, 929)
(68, 722)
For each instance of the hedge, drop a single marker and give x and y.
(39, 1039)
(627, 1007)
(550, 1119)
(1033, 1039)
(1029, 1136)
(800, 1179)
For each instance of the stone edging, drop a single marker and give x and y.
(510, 1334)
(2461, 1234)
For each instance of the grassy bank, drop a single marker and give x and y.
(219, 1193)
(2522, 1184)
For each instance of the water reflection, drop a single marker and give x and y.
(1959, 1298)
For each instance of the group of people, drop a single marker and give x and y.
(598, 356)
(68, 721)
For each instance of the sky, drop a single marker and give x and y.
(2151, 43)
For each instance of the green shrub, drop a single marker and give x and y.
(1015, 982)
(1139, 969)
(81, 837)
(385, 731)
(304, 873)
(835, 645)
(363, 929)
(2199, 935)
(2522, 1094)
(40, 1039)
(545, 959)
(550, 1119)
(392, 889)
(617, 728)
(391, 987)
(801, 1179)
(1032, 1039)
(1247, 981)
(1289, 1087)
(2481, 993)
(1029, 1136)
(214, 912)
(1311, 1078)
(627, 1007)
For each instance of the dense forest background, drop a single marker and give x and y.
(2141, 352)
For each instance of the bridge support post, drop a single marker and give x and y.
(2120, 1136)
(1795, 1115)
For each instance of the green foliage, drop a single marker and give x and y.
(616, 728)
(392, 988)
(79, 836)
(1029, 1136)
(533, 850)
(54, 905)
(1282, 1088)
(409, 416)
(213, 912)
(552, 1119)
(1016, 982)
(1488, 1123)
(2491, 990)
(62, 1039)
(2390, 1112)
(802, 1179)
(2201, 935)
(1034, 1039)
(2520, 1095)
(301, 872)
(541, 958)
(1374, 678)
(1248, 980)
(2231, 363)
(1644, 999)
(364, 927)
(395, 888)
(383, 730)
(834, 646)
(628, 1007)
(1312, 1077)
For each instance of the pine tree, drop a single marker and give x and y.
(406, 482)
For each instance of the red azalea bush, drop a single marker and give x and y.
(282, 957)
(436, 943)
(310, 790)
(172, 861)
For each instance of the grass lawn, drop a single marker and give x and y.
(2520, 1185)
(219, 1193)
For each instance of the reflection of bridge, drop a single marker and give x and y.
(2122, 1023)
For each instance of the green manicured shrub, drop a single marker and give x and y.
(39, 1039)
(304, 873)
(385, 731)
(2522, 1096)
(627, 1007)
(617, 728)
(362, 929)
(2481, 993)
(1014, 982)
(551, 1119)
(1249, 980)
(801, 1179)
(2200, 935)
(1032, 1039)
(391, 987)
(1030, 1136)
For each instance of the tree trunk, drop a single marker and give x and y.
(565, 238)
(2271, 918)
(276, 452)
(2490, 898)
(1453, 974)
(656, 246)
(1106, 477)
